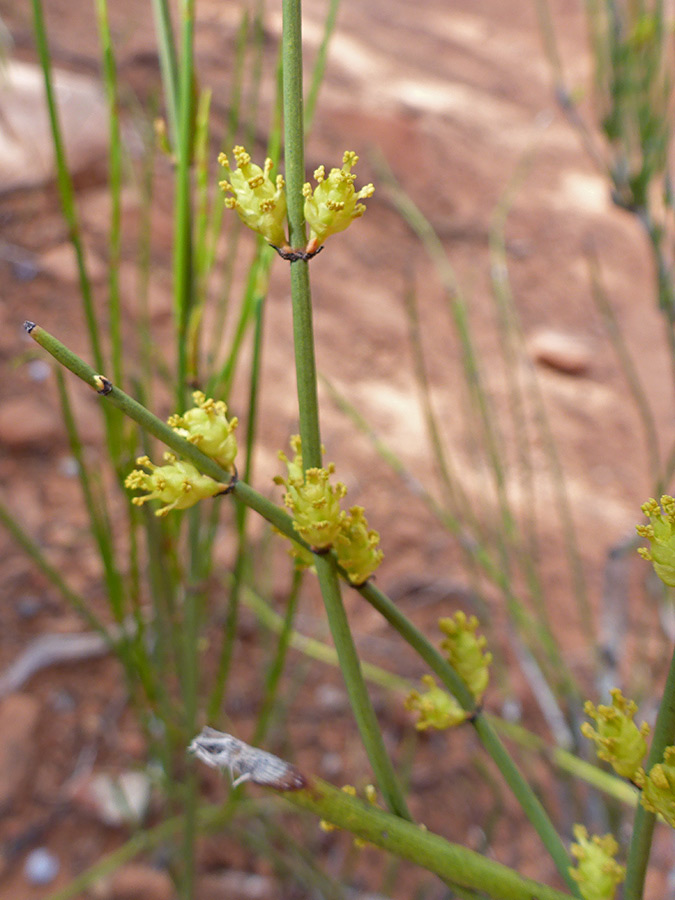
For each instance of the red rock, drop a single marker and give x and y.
(26, 149)
(563, 352)
(27, 423)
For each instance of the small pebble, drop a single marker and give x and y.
(512, 709)
(567, 353)
(331, 699)
(41, 866)
(68, 466)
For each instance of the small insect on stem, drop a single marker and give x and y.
(245, 763)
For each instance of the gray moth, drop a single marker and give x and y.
(245, 763)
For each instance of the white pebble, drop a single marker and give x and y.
(41, 866)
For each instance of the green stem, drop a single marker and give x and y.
(305, 367)
(567, 762)
(283, 522)
(99, 522)
(408, 841)
(168, 63)
(183, 250)
(643, 828)
(115, 186)
(65, 184)
(450, 861)
(526, 797)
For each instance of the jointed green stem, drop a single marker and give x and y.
(283, 522)
(305, 368)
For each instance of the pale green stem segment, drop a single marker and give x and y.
(451, 862)
(283, 522)
(643, 827)
(305, 367)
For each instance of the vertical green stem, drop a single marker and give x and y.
(643, 828)
(231, 621)
(115, 185)
(168, 63)
(303, 332)
(183, 263)
(309, 408)
(65, 184)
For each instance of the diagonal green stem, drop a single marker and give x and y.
(283, 522)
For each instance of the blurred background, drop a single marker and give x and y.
(496, 391)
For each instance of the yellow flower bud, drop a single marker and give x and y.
(661, 536)
(259, 202)
(357, 546)
(618, 739)
(436, 707)
(206, 426)
(178, 484)
(597, 873)
(316, 507)
(332, 205)
(658, 790)
(314, 501)
(294, 466)
(465, 651)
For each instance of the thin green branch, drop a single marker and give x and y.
(65, 184)
(168, 63)
(405, 840)
(283, 522)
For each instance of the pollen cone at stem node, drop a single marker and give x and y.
(661, 536)
(178, 484)
(333, 204)
(259, 202)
